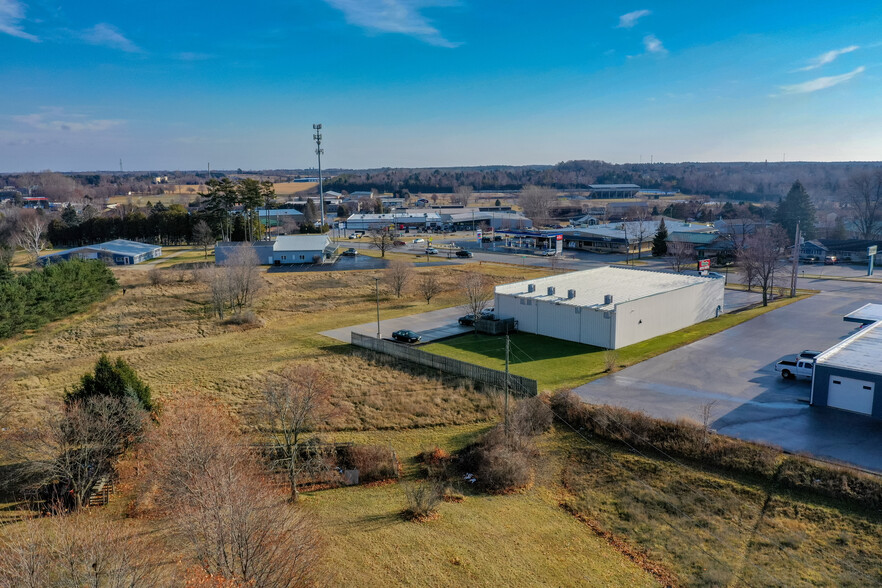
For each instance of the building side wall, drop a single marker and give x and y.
(666, 312)
(561, 321)
(821, 385)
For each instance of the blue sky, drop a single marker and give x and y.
(175, 85)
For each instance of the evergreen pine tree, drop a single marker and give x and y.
(795, 208)
(659, 242)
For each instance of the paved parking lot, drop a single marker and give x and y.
(431, 326)
(734, 370)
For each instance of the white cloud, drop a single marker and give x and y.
(653, 45)
(828, 57)
(108, 35)
(820, 83)
(393, 16)
(12, 12)
(54, 119)
(626, 21)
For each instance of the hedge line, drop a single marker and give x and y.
(28, 301)
(687, 440)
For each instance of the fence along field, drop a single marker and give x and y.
(519, 385)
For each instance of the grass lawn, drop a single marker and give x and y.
(522, 539)
(557, 364)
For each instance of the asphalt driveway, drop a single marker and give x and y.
(734, 370)
(431, 326)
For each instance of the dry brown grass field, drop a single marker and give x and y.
(168, 335)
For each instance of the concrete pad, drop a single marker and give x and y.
(431, 326)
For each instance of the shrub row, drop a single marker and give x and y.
(684, 439)
(28, 301)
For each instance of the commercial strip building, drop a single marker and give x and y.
(449, 219)
(610, 307)
(848, 376)
(285, 250)
(626, 237)
(118, 252)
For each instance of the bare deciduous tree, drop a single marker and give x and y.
(680, 254)
(537, 203)
(397, 275)
(478, 290)
(77, 446)
(234, 284)
(864, 197)
(382, 239)
(293, 404)
(429, 286)
(217, 500)
(76, 550)
(31, 231)
(462, 195)
(642, 222)
(203, 236)
(762, 253)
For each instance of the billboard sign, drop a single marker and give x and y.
(703, 264)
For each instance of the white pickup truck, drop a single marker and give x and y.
(801, 367)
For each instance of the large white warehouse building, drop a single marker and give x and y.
(610, 307)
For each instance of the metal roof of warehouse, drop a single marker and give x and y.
(301, 243)
(867, 314)
(116, 247)
(591, 286)
(862, 351)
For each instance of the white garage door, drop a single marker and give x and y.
(849, 394)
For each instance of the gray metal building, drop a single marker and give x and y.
(118, 251)
(848, 376)
(285, 250)
(610, 307)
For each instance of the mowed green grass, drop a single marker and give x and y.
(558, 364)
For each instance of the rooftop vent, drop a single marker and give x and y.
(571, 294)
(531, 287)
(551, 290)
(608, 299)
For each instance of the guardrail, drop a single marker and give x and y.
(518, 385)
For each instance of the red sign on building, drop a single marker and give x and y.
(703, 264)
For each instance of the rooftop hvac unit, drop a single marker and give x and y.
(571, 294)
(551, 290)
(531, 287)
(607, 299)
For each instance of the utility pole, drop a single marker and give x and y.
(796, 249)
(506, 384)
(377, 290)
(318, 151)
(209, 172)
(120, 166)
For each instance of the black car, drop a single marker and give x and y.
(464, 253)
(406, 336)
(350, 251)
(467, 320)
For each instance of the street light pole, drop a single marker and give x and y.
(319, 151)
(377, 290)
